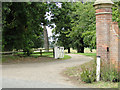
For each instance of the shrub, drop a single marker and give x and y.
(89, 74)
(109, 73)
(27, 51)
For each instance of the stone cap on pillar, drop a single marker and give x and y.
(103, 3)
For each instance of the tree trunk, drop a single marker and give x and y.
(68, 49)
(80, 49)
(46, 42)
(91, 49)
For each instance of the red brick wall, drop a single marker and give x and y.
(107, 34)
(114, 43)
(103, 23)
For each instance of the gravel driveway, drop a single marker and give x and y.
(40, 75)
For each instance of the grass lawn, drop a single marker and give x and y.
(48, 54)
(66, 57)
(19, 57)
(88, 54)
(44, 54)
(73, 73)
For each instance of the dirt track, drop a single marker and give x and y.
(40, 73)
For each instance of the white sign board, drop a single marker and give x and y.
(59, 52)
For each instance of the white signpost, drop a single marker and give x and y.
(98, 69)
(59, 52)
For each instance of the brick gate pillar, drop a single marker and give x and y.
(103, 23)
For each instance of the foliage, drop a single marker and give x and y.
(89, 74)
(75, 24)
(83, 32)
(109, 73)
(22, 25)
(116, 12)
(28, 51)
(62, 19)
(75, 73)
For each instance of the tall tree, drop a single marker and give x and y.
(83, 26)
(62, 19)
(45, 22)
(46, 41)
(22, 25)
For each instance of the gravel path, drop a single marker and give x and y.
(40, 75)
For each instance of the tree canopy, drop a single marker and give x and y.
(75, 24)
(22, 25)
(62, 19)
(83, 32)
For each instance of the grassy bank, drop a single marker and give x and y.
(74, 74)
